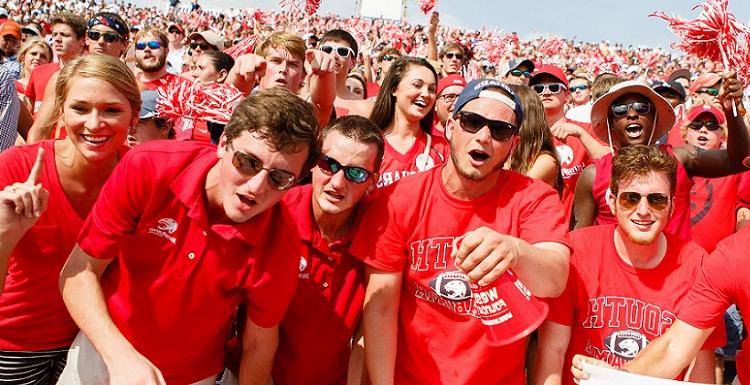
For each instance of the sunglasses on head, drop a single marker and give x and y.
(451, 55)
(581, 87)
(389, 58)
(472, 123)
(341, 51)
(631, 199)
(711, 125)
(250, 166)
(641, 108)
(519, 73)
(553, 88)
(204, 46)
(109, 37)
(711, 91)
(153, 44)
(331, 166)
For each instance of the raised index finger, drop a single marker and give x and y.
(36, 170)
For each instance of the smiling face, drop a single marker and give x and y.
(642, 224)
(283, 70)
(96, 116)
(415, 93)
(632, 128)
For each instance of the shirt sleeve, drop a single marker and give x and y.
(542, 218)
(10, 107)
(118, 208)
(379, 241)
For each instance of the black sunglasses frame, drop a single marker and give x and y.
(109, 37)
(331, 166)
(153, 44)
(472, 122)
(618, 112)
(251, 166)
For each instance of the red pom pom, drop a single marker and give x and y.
(426, 6)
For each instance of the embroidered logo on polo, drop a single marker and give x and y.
(302, 267)
(165, 228)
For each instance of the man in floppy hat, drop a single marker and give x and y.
(416, 329)
(633, 113)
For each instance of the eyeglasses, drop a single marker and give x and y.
(641, 108)
(500, 131)
(581, 87)
(518, 73)
(250, 166)
(175, 30)
(711, 91)
(109, 37)
(451, 55)
(388, 58)
(449, 98)
(553, 88)
(331, 166)
(630, 199)
(340, 50)
(153, 44)
(711, 125)
(204, 46)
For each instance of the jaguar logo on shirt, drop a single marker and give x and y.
(165, 227)
(625, 344)
(451, 285)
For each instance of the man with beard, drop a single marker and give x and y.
(409, 239)
(624, 293)
(633, 113)
(151, 50)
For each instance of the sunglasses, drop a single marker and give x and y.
(204, 46)
(449, 98)
(153, 44)
(553, 88)
(641, 108)
(710, 125)
(631, 199)
(519, 73)
(175, 30)
(389, 58)
(582, 87)
(341, 51)
(109, 37)
(710, 91)
(451, 55)
(331, 166)
(500, 131)
(250, 166)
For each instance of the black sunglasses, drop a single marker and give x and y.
(641, 108)
(204, 46)
(331, 166)
(630, 199)
(451, 55)
(153, 44)
(109, 37)
(518, 73)
(698, 124)
(175, 30)
(388, 58)
(472, 123)
(250, 165)
(341, 51)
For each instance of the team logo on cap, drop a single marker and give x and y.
(625, 344)
(452, 285)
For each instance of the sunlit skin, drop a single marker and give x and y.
(642, 224)
(198, 51)
(452, 65)
(65, 44)
(517, 80)
(34, 57)
(355, 87)
(703, 137)
(114, 49)
(580, 97)
(415, 94)
(149, 59)
(205, 72)
(632, 128)
(444, 108)
(282, 70)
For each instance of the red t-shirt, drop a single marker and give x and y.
(162, 82)
(679, 223)
(615, 309)
(176, 279)
(372, 90)
(410, 228)
(724, 279)
(38, 82)
(573, 159)
(316, 333)
(396, 165)
(713, 202)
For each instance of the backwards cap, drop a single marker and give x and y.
(478, 89)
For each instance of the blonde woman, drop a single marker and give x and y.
(33, 53)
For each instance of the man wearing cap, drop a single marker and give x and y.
(29, 31)
(107, 34)
(150, 126)
(467, 216)
(207, 40)
(632, 113)
(517, 71)
(705, 89)
(10, 40)
(176, 37)
(626, 280)
(448, 90)
(675, 94)
(682, 76)
(575, 146)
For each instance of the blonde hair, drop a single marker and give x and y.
(283, 40)
(153, 32)
(29, 44)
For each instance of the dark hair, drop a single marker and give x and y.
(360, 78)
(75, 22)
(639, 160)
(340, 35)
(220, 60)
(534, 134)
(384, 110)
(360, 129)
(389, 51)
(280, 117)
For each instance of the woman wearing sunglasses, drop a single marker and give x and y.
(404, 111)
(632, 113)
(42, 208)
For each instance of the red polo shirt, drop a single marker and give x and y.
(176, 279)
(38, 82)
(316, 333)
